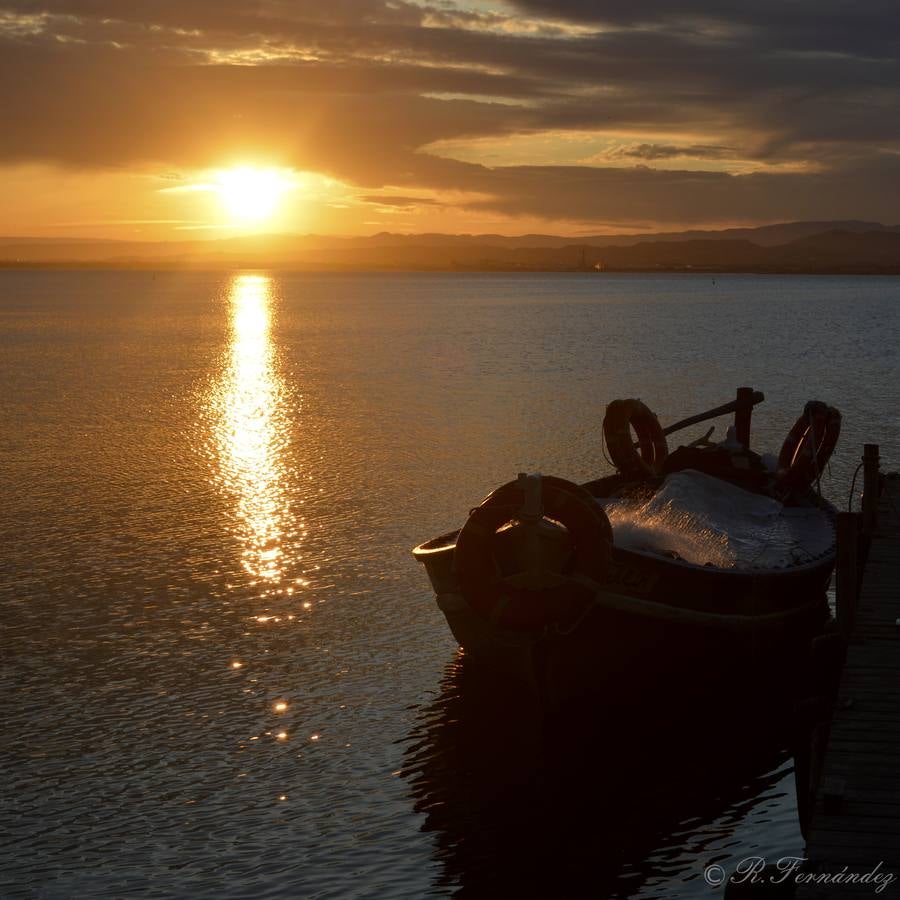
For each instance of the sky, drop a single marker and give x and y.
(187, 119)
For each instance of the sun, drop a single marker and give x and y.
(252, 196)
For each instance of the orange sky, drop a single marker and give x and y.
(152, 120)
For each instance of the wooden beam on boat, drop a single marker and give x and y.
(747, 400)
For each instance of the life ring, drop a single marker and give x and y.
(623, 416)
(809, 444)
(531, 601)
(512, 493)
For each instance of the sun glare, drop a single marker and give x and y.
(252, 196)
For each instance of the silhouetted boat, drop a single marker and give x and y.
(699, 570)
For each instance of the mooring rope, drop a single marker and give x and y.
(815, 450)
(852, 486)
(603, 450)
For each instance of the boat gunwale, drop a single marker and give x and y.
(446, 543)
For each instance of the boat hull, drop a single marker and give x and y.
(657, 627)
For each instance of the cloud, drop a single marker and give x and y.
(101, 108)
(396, 201)
(580, 193)
(358, 89)
(652, 152)
(842, 25)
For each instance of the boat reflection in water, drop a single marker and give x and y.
(597, 803)
(250, 428)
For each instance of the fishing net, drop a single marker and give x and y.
(707, 521)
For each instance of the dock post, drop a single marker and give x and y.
(742, 415)
(847, 570)
(871, 488)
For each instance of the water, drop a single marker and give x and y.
(222, 672)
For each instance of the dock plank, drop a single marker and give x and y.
(859, 825)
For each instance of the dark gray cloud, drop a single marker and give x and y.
(359, 89)
(826, 25)
(694, 198)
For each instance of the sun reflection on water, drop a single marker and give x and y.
(251, 431)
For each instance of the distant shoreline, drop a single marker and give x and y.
(799, 248)
(230, 265)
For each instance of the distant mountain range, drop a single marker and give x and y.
(791, 247)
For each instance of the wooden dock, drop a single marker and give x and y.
(855, 824)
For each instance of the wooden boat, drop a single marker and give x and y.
(570, 588)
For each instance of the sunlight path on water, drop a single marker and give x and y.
(250, 429)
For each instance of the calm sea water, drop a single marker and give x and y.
(223, 675)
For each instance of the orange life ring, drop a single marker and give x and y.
(809, 444)
(623, 416)
(521, 607)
